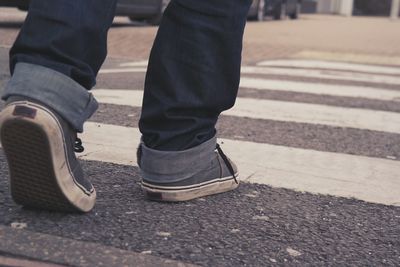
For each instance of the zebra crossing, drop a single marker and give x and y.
(323, 74)
(301, 144)
(318, 88)
(372, 179)
(282, 111)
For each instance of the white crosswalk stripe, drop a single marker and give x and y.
(282, 111)
(301, 68)
(323, 74)
(300, 169)
(308, 64)
(131, 98)
(125, 70)
(143, 63)
(318, 64)
(321, 89)
(332, 75)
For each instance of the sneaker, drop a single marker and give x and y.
(180, 176)
(40, 149)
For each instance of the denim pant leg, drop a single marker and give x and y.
(58, 53)
(193, 73)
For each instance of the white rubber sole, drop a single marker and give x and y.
(40, 174)
(185, 193)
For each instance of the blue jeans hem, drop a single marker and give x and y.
(68, 98)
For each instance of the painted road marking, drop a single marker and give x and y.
(321, 89)
(282, 111)
(131, 98)
(308, 64)
(125, 70)
(110, 143)
(356, 58)
(318, 64)
(370, 179)
(323, 74)
(336, 75)
(142, 63)
(301, 87)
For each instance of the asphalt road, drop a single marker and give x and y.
(256, 225)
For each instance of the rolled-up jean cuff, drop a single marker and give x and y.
(68, 98)
(173, 166)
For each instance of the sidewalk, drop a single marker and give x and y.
(355, 39)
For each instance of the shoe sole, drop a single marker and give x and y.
(185, 193)
(40, 174)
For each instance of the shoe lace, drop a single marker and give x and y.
(227, 162)
(78, 147)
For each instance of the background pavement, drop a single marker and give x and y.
(334, 37)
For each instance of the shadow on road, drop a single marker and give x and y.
(11, 24)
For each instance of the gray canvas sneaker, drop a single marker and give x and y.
(40, 149)
(184, 175)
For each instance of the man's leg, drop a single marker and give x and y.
(53, 62)
(193, 76)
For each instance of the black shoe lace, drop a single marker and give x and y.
(78, 147)
(227, 162)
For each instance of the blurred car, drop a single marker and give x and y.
(278, 9)
(151, 10)
(146, 10)
(21, 4)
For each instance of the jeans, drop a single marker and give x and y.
(193, 73)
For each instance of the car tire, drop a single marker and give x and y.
(280, 11)
(261, 10)
(136, 19)
(156, 20)
(152, 21)
(297, 12)
(23, 8)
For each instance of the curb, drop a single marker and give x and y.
(18, 245)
